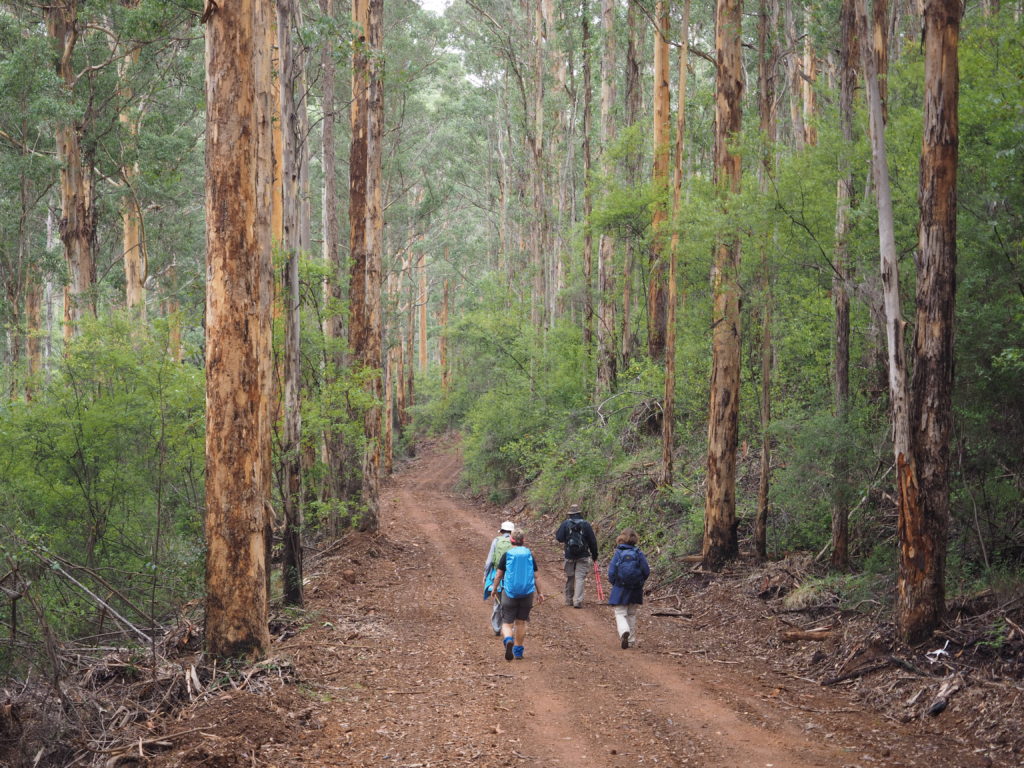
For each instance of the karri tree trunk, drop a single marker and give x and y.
(894, 325)
(720, 541)
(848, 46)
(880, 44)
(296, 242)
(634, 103)
(668, 408)
(77, 223)
(767, 62)
(588, 200)
(924, 477)
(238, 362)
(421, 310)
(656, 286)
(334, 297)
(372, 352)
(606, 341)
(795, 77)
(442, 342)
(135, 257)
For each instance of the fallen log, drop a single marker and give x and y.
(796, 635)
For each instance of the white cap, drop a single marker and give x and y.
(508, 525)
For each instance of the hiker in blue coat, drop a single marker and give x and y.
(516, 578)
(499, 546)
(627, 573)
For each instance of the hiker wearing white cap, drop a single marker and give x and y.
(499, 546)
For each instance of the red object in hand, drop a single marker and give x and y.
(597, 575)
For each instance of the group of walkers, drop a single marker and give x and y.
(511, 581)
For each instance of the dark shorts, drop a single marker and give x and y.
(516, 608)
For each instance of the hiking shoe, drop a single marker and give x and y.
(517, 652)
(577, 605)
(625, 640)
(508, 648)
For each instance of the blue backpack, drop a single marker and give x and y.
(518, 581)
(629, 571)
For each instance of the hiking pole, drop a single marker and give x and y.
(597, 576)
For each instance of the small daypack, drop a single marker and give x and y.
(518, 581)
(575, 541)
(504, 545)
(629, 572)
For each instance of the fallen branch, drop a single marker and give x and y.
(796, 635)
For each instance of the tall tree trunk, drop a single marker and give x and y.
(668, 412)
(840, 280)
(656, 288)
(795, 77)
(77, 223)
(537, 149)
(421, 309)
(894, 325)
(924, 475)
(295, 207)
(442, 343)
(588, 202)
(334, 297)
(880, 44)
(134, 254)
(720, 542)
(634, 106)
(606, 353)
(237, 332)
(810, 79)
(373, 354)
(767, 63)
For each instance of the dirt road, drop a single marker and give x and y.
(396, 665)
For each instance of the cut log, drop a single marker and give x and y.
(795, 635)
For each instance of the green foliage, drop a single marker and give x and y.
(103, 469)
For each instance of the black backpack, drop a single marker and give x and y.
(575, 541)
(629, 573)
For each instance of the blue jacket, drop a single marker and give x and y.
(622, 595)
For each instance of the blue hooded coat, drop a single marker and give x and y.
(621, 594)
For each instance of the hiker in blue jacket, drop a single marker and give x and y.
(580, 554)
(516, 578)
(499, 546)
(627, 573)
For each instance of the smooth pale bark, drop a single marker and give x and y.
(656, 285)
(77, 223)
(894, 324)
(295, 208)
(133, 242)
(795, 77)
(767, 61)
(421, 310)
(924, 475)
(588, 202)
(535, 141)
(606, 354)
(880, 45)
(442, 343)
(810, 79)
(238, 360)
(334, 319)
(720, 541)
(840, 280)
(634, 107)
(373, 351)
(668, 408)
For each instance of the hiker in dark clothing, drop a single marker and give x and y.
(627, 573)
(580, 554)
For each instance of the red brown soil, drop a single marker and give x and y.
(395, 665)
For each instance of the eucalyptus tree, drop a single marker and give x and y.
(238, 330)
(720, 539)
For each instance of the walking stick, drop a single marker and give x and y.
(597, 575)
